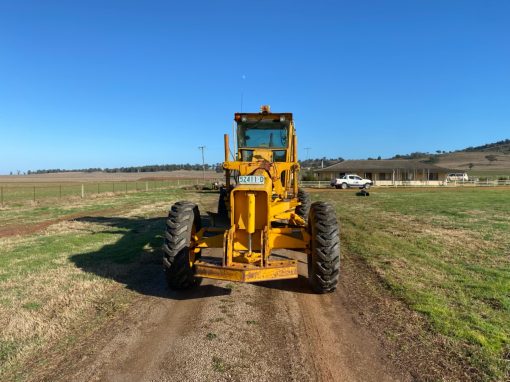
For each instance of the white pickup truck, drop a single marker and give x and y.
(351, 180)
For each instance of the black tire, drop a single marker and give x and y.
(222, 204)
(343, 186)
(367, 186)
(183, 220)
(324, 259)
(303, 209)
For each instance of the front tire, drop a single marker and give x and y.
(367, 186)
(182, 224)
(324, 257)
(343, 186)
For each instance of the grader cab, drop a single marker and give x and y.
(260, 211)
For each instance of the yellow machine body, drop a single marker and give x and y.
(260, 199)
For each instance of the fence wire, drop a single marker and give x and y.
(16, 193)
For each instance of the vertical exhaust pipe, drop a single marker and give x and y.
(227, 149)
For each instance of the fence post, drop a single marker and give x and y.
(82, 191)
(146, 186)
(60, 191)
(98, 188)
(34, 193)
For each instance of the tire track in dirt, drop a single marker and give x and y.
(232, 332)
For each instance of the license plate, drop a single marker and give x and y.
(251, 179)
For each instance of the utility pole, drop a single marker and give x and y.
(307, 149)
(202, 148)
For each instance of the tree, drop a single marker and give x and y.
(491, 158)
(471, 165)
(379, 157)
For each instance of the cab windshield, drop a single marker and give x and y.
(264, 134)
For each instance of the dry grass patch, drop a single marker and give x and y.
(74, 273)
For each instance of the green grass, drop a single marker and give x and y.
(491, 174)
(76, 272)
(444, 252)
(218, 364)
(47, 209)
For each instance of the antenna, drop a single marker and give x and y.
(234, 137)
(307, 149)
(202, 148)
(243, 77)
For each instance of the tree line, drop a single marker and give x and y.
(218, 167)
(147, 168)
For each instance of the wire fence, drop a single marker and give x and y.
(20, 193)
(16, 193)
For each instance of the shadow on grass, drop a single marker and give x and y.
(135, 259)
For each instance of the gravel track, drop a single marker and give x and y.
(272, 331)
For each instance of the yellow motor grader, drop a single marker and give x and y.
(260, 210)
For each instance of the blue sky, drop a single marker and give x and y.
(119, 83)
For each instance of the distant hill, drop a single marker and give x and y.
(476, 161)
(490, 158)
(500, 146)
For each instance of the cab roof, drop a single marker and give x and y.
(238, 117)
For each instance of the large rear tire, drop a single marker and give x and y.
(324, 259)
(182, 224)
(303, 209)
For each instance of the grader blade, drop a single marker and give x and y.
(274, 270)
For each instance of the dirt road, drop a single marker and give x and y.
(274, 331)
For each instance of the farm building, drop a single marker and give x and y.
(388, 172)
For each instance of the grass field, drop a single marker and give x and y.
(447, 254)
(17, 194)
(71, 266)
(68, 277)
(489, 174)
